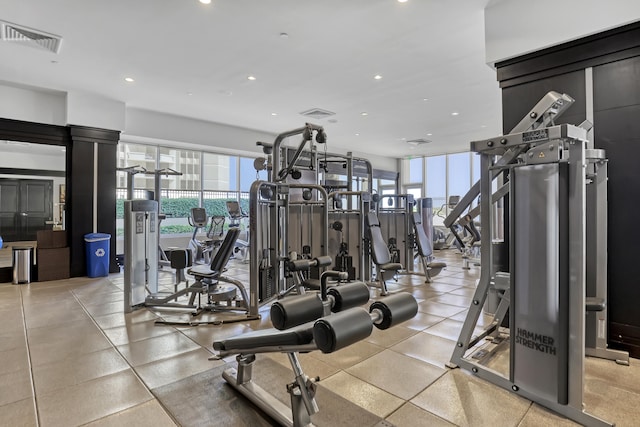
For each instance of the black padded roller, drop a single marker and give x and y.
(294, 311)
(299, 264)
(323, 261)
(331, 333)
(348, 295)
(395, 309)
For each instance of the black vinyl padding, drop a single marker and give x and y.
(300, 335)
(323, 261)
(306, 264)
(342, 329)
(422, 240)
(595, 304)
(296, 310)
(314, 284)
(221, 258)
(379, 249)
(348, 295)
(395, 308)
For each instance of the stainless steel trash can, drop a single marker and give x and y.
(21, 264)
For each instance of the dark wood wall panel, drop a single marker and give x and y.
(616, 84)
(517, 101)
(107, 163)
(610, 46)
(80, 198)
(85, 140)
(616, 113)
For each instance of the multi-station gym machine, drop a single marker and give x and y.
(552, 282)
(300, 213)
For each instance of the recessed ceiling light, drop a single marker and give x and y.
(402, 1)
(364, 113)
(251, 78)
(128, 80)
(483, 126)
(357, 134)
(209, 1)
(190, 93)
(429, 134)
(425, 99)
(274, 114)
(377, 77)
(455, 113)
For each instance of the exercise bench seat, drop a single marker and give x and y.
(425, 249)
(380, 252)
(220, 260)
(299, 335)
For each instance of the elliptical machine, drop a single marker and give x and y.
(241, 249)
(201, 249)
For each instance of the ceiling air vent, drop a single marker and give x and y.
(417, 142)
(318, 113)
(30, 37)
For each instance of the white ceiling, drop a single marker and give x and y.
(193, 60)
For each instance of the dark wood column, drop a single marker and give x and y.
(84, 142)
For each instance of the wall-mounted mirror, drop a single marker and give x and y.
(32, 192)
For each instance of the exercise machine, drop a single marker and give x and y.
(287, 219)
(163, 259)
(556, 305)
(348, 223)
(405, 235)
(424, 249)
(327, 334)
(283, 230)
(234, 210)
(380, 254)
(141, 273)
(443, 238)
(140, 251)
(202, 249)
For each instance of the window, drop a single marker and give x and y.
(218, 172)
(415, 170)
(416, 192)
(475, 162)
(186, 162)
(248, 174)
(459, 174)
(140, 156)
(437, 186)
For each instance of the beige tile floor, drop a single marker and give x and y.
(70, 356)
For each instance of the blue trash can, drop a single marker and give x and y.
(97, 253)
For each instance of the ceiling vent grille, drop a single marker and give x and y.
(318, 113)
(30, 37)
(417, 142)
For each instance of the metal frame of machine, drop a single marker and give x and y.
(548, 290)
(141, 272)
